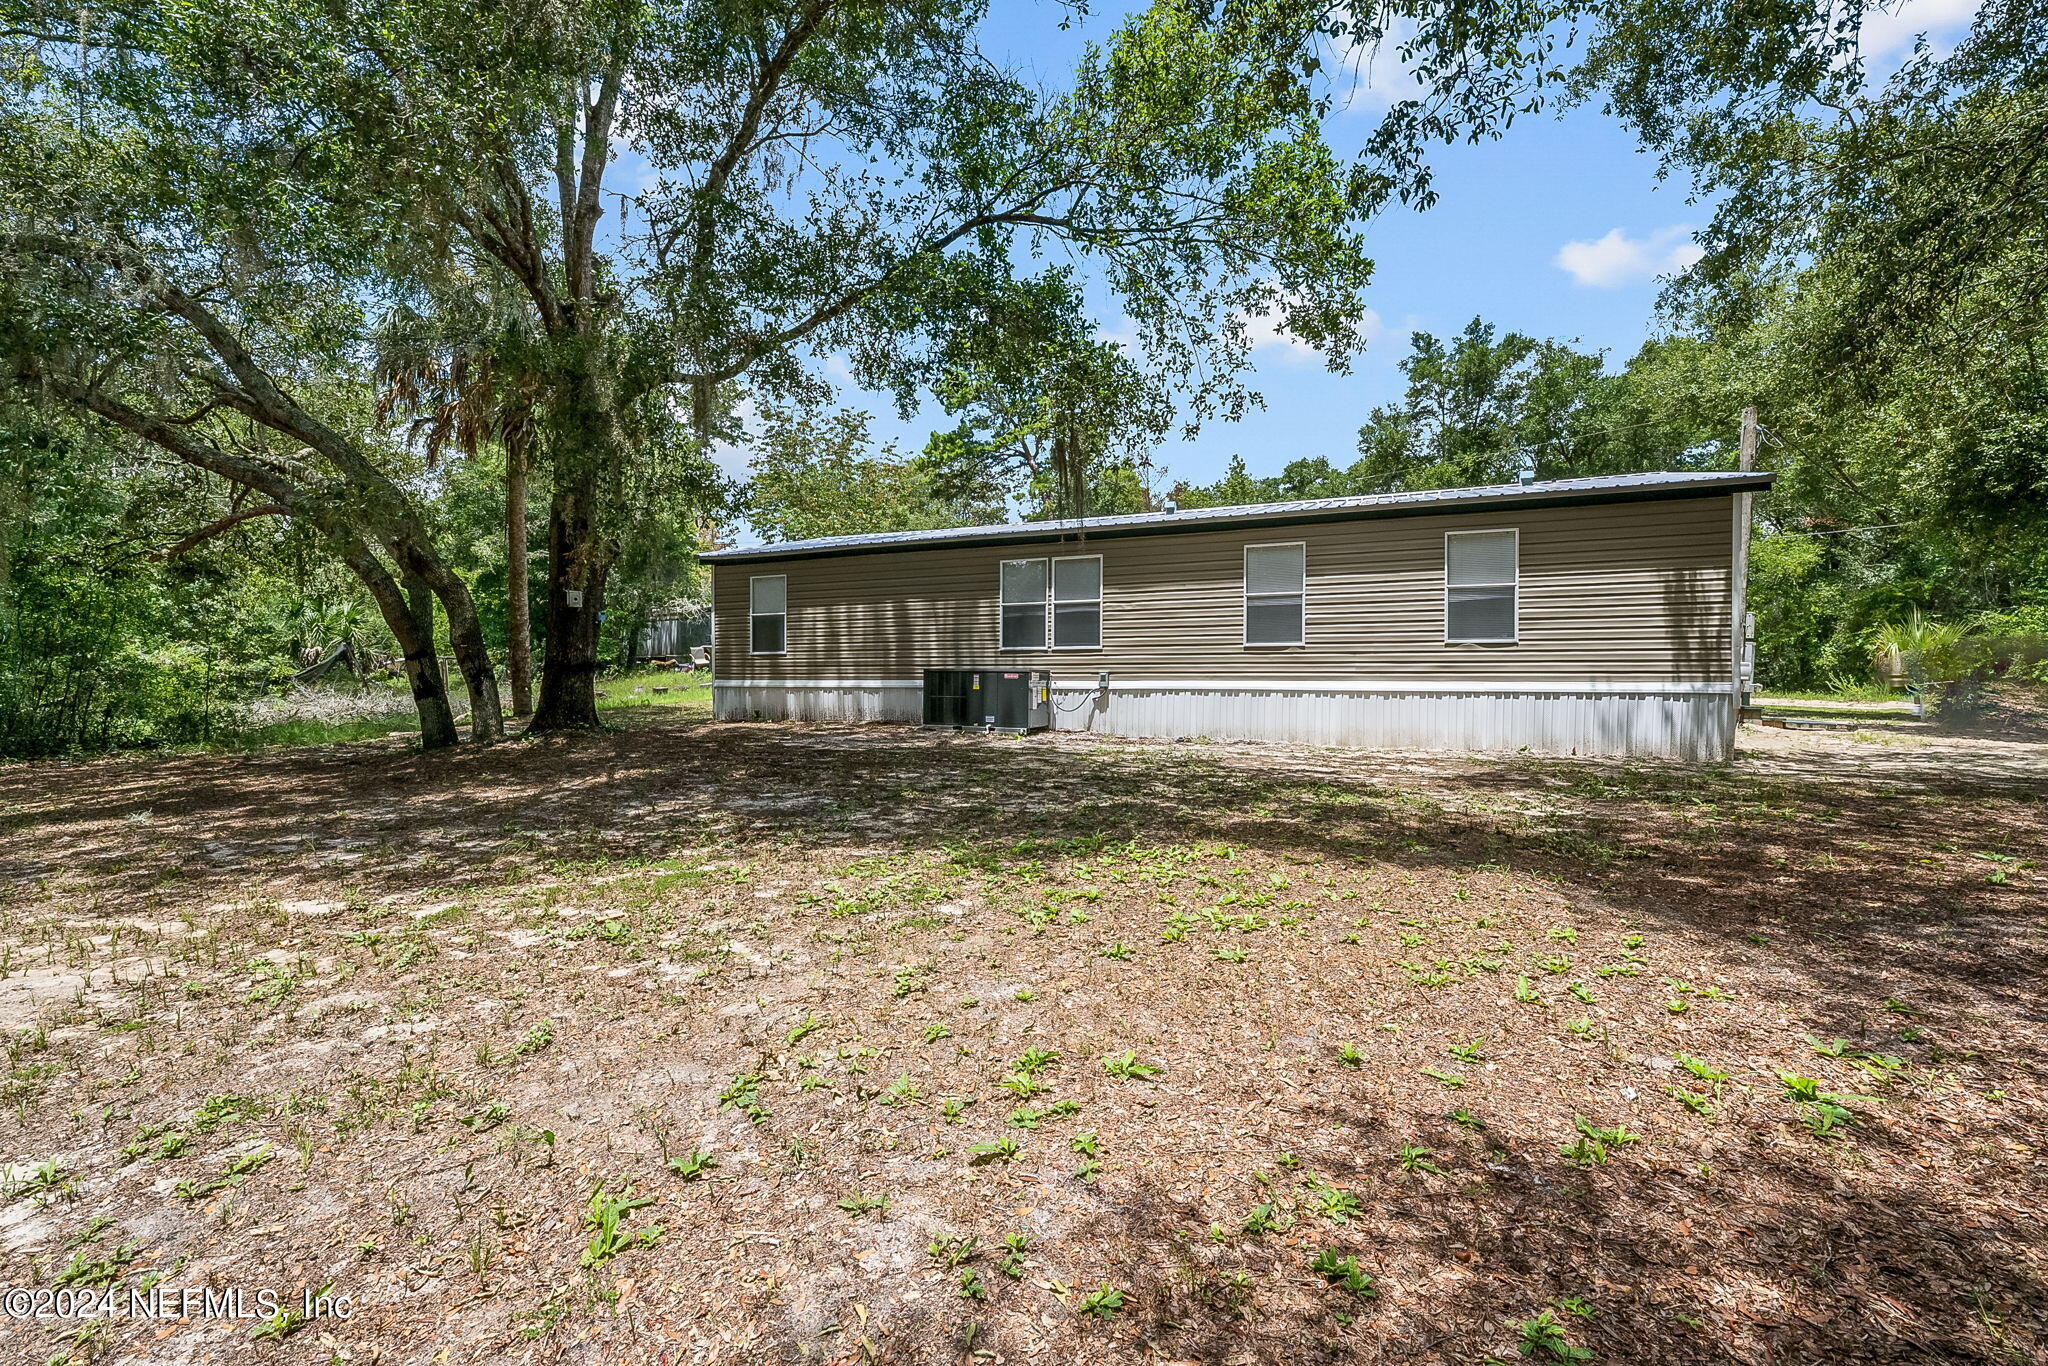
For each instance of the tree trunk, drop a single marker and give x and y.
(578, 563)
(518, 626)
(465, 636)
(408, 611)
(414, 628)
(422, 667)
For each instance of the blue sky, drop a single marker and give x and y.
(1561, 229)
(1511, 216)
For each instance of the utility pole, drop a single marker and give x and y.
(1738, 585)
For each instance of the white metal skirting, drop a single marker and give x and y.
(1680, 725)
(840, 700)
(1690, 721)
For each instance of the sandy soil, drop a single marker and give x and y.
(1256, 1054)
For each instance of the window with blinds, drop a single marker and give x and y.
(768, 614)
(1482, 572)
(1275, 584)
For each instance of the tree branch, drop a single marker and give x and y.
(845, 303)
(580, 231)
(227, 523)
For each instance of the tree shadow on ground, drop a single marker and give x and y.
(1858, 893)
(1846, 895)
(1675, 1273)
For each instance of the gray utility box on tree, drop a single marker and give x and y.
(1015, 700)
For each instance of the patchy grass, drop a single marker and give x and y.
(754, 1043)
(1844, 690)
(393, 711)
(657, 688)
(304, 732)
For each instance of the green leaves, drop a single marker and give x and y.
(1416, 1158)
(744, 1095)
(605, 1217)
(693, 1165)
(1104, 1302)
(1543, 1339)
(1343, 1272)
(816, 472)
(1823, 1112)
(1592, 1147)
(997, 1150)
(860, 1202)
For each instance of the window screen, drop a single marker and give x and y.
(768, 614)
(1054, 604)
(1023, 605)
(1481, 570)
(1275, 577)
(1077, 603)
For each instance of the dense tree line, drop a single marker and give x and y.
(220, 228)
(1872, 284)
(1862, 530)
(317, 294)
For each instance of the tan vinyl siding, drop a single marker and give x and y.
(1610, 592)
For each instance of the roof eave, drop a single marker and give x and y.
(1733, 482)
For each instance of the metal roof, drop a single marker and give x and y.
(1545, 493)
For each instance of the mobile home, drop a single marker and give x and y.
(1573, 616)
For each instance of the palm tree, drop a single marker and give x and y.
(1929, 653)
(331, 632)
(467, 399)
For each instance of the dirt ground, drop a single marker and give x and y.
(746, 1043)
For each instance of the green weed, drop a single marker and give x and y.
(693, 1165)
(1343, 1272)
(1417, 1159)
(605, 1217)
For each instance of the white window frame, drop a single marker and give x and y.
(1246, 595)
(1052, 602)
(1052, 605)
(1002, 602)
(1515, 584)
(752, 615)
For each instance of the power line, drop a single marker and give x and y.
(1844, 531)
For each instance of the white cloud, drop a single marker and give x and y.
(1890, 32)
(1268, 335)
(1124, 334)
(734, 459)
(1618, 259)
(1371, 79)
